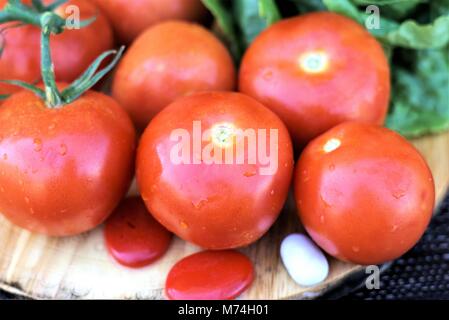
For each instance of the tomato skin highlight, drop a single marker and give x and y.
(216, 206)
(133, 237)
(210, 275)
(131, 18)
(364, 193)
(166, 62)
(72, 51)
(315, 71)
(63, 171)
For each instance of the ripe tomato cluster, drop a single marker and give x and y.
(213, 166)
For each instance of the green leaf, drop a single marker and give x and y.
(305, 6)
(420, 102)
(348, 9)
(395, 9)
(399, 9)
(410, 34)
(386, 2)
(345, 7)
(225, 21)
(253, 16)
(439, 8)
(269, 11)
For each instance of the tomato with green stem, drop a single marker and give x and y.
(72, 50)
(315, 71)
(131, 18)
(66, 152)
(364, 193)
(168, 61)
(232, 179)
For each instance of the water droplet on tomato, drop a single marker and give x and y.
(183, 224)
(199, 204)
(37, 144)
(250, 174)
(398, 194)
(139, 245)
(355, 249)
(210, 275)
(27, 200)
(62, 149)
(325, 203)
(268, 75)
(272, 192)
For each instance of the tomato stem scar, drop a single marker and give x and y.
(223, 134)
(314, 61)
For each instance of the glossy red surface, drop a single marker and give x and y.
(214, 205)
(210, 275)
(72, 51)
(133, 237)
(168, 61)
(364, 193)
(63, 170)
(315, 71)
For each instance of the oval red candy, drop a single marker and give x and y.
(133, 237)
(210, 275)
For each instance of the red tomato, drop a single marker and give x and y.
(316, 71)
(132, 235)
(130, 18)
(63, 170)
(166, 62)
(364, 193)
(210, 275)
(72, 51)
(213, 205)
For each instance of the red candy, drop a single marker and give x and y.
(133, 237)
(210, 275)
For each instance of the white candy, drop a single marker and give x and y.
(303, 260)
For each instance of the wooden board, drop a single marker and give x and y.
(79, 267)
